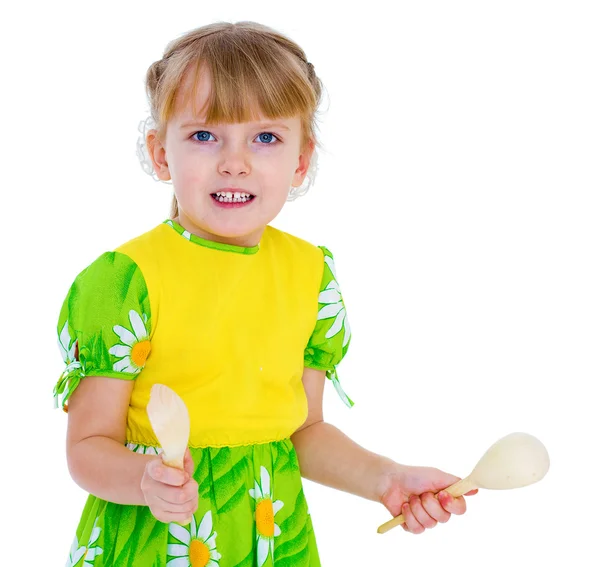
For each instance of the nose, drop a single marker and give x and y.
(234, 160)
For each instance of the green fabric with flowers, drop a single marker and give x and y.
(252, 510)
(330, 339)
(233, 527)
(106, 310)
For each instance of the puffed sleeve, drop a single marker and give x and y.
(104, 326)
(330, 339)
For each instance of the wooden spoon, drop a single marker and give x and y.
(170, 421)
(517, 460)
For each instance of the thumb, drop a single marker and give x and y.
(188, 462)
(439, 480)
(442, 481)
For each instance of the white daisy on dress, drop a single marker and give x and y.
(143, 449)
(198, 547)
(136, 345)
(67, 381)
(334, 307)
(90, 552)
(266, 528)
(67, 345)
(76, 553)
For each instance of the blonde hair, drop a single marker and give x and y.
(252, 67)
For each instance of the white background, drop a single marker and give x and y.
(458, 191)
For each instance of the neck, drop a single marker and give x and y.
(245, 241)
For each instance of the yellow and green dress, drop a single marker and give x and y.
(230, 329)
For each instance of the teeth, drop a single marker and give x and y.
(232, 197)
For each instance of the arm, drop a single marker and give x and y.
(100, 463)
(329, 457)
(97, 457)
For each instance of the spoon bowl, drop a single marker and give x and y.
(517, 460)
(514, 461)
(170, 421)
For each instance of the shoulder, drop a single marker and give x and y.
(123, 255)
(116, 274)
(108, 266)
(290, 243)
(112, 280)
(146, 242)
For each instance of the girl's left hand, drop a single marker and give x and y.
(411, 491)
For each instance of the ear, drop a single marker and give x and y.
(303, 164)
(158, 155)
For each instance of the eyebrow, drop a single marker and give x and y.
(261, 125)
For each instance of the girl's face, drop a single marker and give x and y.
(230, 180)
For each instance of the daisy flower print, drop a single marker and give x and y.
(134, 348)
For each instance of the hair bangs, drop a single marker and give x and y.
(249, 80)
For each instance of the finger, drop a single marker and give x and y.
(453, 505)
(421, 515)
(159, 507)
(433, 507)
(167, 475)
(174, 495)
(471, 492)
(176, 500)
(170, 517)
(186, 509)
(188, 462)
(412, 525)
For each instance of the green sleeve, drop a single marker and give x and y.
(330, 339)
(104, 324)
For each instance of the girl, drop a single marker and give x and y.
(244, 321)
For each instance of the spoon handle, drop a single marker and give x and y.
(457, 489)
(176, 463)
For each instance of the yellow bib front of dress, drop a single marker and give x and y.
(228, 333)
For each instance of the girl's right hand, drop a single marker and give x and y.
(170, 493)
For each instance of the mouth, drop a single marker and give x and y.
(231, 199)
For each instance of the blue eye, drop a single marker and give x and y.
(201, 138)
(262, 137)
(266, 137)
